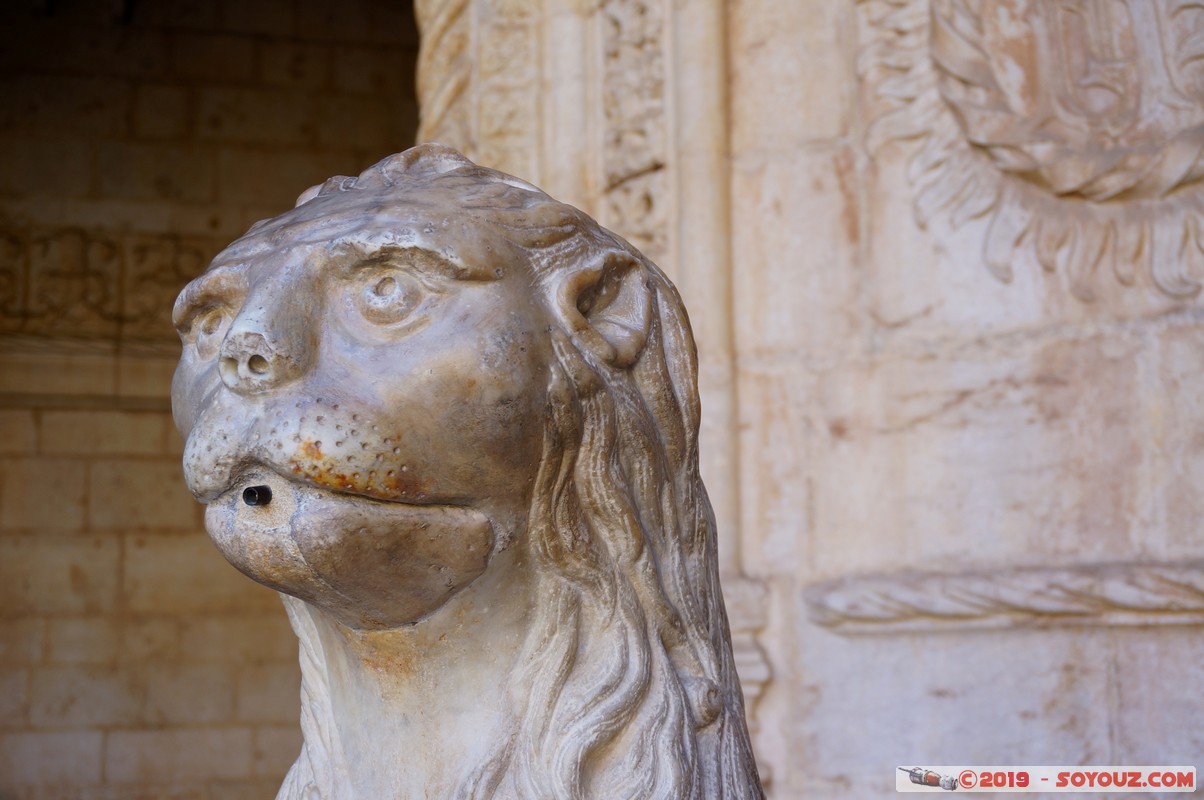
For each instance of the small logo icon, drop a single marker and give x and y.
(926, 777)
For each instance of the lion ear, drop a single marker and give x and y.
(609, 306)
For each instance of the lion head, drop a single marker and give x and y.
(441, 377)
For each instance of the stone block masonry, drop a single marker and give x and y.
(132, 150)
(132, 657)
(135, 663)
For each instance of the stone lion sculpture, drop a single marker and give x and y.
(455, 423)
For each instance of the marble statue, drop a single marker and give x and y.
(455, 423)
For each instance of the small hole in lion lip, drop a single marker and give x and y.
(257, 495)
(257, 364)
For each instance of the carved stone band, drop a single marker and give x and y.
(1024, 597)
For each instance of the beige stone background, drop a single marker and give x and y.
(951, 399)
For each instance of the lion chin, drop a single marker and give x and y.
(368, 563)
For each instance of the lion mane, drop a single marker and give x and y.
(628, 676)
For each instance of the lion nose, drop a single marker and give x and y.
(249, 363)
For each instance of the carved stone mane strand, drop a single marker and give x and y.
(628, 684)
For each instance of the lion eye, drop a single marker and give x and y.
(388, 298)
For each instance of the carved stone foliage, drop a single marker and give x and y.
(634, 152)
(1085, 594)
(1076, 129)
(70, 283)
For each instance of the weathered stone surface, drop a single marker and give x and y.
(455, 422)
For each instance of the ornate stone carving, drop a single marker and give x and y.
(635, 150)
(747, 607)
(72, 284)
(1075, 128)
(455, 422)
(445, 72)
(478, 87)
(60, 283)
(480, 60)
(1086, 594)
(478, 79)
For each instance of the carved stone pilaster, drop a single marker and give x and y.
(479, 90)
(747, 601)
(634, 137)
(478, 79)
(487, 79)
(445, 73)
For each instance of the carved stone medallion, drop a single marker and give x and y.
(1075, 127)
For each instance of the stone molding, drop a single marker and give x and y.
(1098, 594)
(1075, 131)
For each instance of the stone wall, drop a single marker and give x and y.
(968, 326)
(137, 139)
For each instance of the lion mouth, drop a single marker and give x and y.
(211, 471)
(331, 443)
(371, 564)
(253, 474)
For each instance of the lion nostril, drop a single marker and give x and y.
(249, 363)
(229, 369)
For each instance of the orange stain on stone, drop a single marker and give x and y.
(322, 469)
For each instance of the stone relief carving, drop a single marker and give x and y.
(58, 283)
(478, 86)
(635, 150)
(445, 72)
(1075, 128)
(747, 604)
(478, 80)
(455, 423)
(1084, 594)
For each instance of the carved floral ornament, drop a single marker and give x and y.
(1075, 128)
